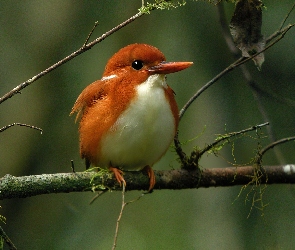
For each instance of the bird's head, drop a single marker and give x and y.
(141, 61)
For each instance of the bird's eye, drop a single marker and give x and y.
(137, 64)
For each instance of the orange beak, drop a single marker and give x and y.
(169, 67)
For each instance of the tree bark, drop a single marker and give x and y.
(26, 186)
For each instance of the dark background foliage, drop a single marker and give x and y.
(35, 34)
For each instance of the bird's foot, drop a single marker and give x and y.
(152, 177)
(118, 175)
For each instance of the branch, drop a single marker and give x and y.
(27, 186)
(7, 240)
(281, 33)
(208, 84)
(287, 16)
(256, 90)
(240, 61)
(272, 145)
(84, 48)
(124, 204)
(20, 124)
(278, 35)
(229, 135)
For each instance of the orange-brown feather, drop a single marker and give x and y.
(169, 94)
(99, 105)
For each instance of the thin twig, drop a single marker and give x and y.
(88, 46)
(119, 218)
(91, 32)
(256, 91)
(268, 93)
(234, 65)
(287, 16)
(7, 240)
(124, 204)
(270, 146)
(177, 143)
(99, 193)
(208, 84)
(281, 36)
(20, 124)
(229, 135)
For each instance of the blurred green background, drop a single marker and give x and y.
(36, 34)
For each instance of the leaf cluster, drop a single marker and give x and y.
(160, 5)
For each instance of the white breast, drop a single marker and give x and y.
(144, 131)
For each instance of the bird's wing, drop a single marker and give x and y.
(91, 94)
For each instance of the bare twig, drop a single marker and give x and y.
(119, 218)
(91, 32)
(4, 236)
(124, 204)
(208, 84)
(84, 48)
(287, 16)
(99, 193)
(272, 145)
(20, 124)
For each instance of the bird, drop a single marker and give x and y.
(129, 117)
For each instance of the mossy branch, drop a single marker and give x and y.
(27, 186)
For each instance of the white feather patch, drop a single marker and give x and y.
(144, 131)
(108, 77)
